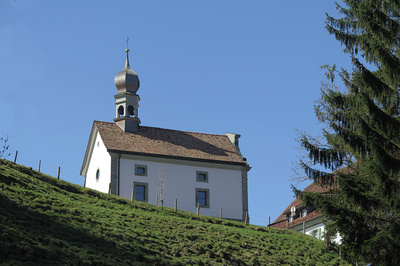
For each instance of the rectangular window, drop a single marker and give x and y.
(201, 176)
(303, 212)
(140, 191)
(314, 233)
(141, 170)
(320, 233)
(203, 197)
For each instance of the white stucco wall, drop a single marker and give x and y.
(225, 185)
(100, 159)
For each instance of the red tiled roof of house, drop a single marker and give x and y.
(152, 141)
(280, 222)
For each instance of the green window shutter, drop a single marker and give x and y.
(319, 233)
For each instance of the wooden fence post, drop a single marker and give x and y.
(246, 220)
(40, 162)
(269, 221)
(220, 212)
(176, 205)
(198, 208)
(15, 159)
(58, 173)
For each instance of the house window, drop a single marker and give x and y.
(317, 233)
(201, 176)
(141, 170)
(303, 212)
(140, 191)
(314, 233)
(203, 197)
(97, 174)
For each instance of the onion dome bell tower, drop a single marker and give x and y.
(126, 100)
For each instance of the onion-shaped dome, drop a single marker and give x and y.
(127, 80)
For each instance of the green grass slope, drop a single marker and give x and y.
(48, 221)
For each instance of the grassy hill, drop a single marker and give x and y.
(48, 221)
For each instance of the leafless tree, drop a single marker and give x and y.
(161, 184)
(4, 149)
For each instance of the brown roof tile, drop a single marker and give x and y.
(280, 222)
(152, 141)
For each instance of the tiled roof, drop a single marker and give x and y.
(280, 222)
(152, 141)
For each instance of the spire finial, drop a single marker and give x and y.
(127, 52)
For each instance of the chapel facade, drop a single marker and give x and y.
(152, 164)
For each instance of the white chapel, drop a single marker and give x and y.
(153, 164)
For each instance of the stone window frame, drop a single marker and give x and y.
(141, 166)
(207, 197)
(146, 191)
(202, 172)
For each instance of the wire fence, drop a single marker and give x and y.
(46, 168)
(71, 176)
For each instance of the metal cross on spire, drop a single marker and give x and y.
(127, 44)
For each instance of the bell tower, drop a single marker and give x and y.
(126, 100)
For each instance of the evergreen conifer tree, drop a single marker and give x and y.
(360, 152)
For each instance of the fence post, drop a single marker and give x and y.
(246, 220)
(176, 205)
(269, 221)
(15, 159)
(198, 208)
(220, 212)
(58, 173)
(109, 189)
(40, 162)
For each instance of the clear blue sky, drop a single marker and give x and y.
(247, 67)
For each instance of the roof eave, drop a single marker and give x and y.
(89, 150)
(306, 220)
(244, 164)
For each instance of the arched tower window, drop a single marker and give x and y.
(131, 111)
(120, 111)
